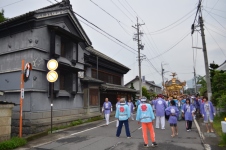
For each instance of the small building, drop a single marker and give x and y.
(150, 85)
(85, 76)
(222, 67)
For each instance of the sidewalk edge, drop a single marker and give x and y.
(206, 146)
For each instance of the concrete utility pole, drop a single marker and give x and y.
(140, 47)
(208, 83)
(163, 87)
(209, 91)
(195, 81)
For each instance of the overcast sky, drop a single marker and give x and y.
(167, 22)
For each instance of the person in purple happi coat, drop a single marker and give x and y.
(160, 106)
(208, 113)
(172, 111)
(107, 109)
(188, 111)
(131, 106)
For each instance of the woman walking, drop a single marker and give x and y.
(208, 113)
(188, 111)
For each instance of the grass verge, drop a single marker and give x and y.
(76, 122)
(218, 128)
(14, 142)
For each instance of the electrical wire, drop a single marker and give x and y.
(215, 27)
(154, 50)
(215, 20)
(125, 8)
(107, 37)
(171, 27)
(216, 43)
(215, 32)
(215, 9)
(172, 46)
(212, 8)
(11, 4)
(104, 31)
(215, 14)
(118, 21)
(122, 11)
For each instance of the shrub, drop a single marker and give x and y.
(14, 142)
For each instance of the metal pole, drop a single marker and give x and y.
(21, 97)
(209, 91)
(52, 86)
(139, 63)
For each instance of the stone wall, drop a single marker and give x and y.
(5, 121)
(36, 122)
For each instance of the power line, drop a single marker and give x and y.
(215, 9)
(106, 36)
(216, 20)
(174, 22)
(122, 11)
(215, 27)
(104, 31)
(11, 4)
(215, 14)
(216, 43)
(125, 8)
(216, 32)
(172, 46)
(118, 21)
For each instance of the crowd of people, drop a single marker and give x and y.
(160, 109)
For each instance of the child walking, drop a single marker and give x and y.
(172, 111)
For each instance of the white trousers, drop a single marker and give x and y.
(160, 120)
(107, 118)
(117, 123)
(131, 116)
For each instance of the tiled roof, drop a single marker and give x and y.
(90, 79)
(31, 13)
(222, 66)
(96, 52)
(115, 87)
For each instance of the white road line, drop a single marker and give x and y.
(71, 135)
(90, 128)
(139, 128)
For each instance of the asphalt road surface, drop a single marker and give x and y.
(96, 136)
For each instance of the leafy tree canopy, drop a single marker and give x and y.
(2, 17)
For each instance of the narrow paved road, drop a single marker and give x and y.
(95, 136)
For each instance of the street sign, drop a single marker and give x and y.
(22, 93)
(52, 76)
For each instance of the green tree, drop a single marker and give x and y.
(145, 92)
(134, 94)
(203, 89)
(219, 87)
(2, 17)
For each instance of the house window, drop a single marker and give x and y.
(93, 97)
